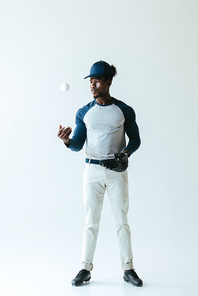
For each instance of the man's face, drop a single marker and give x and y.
(99, 87)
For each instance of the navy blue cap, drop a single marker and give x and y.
(100, 68)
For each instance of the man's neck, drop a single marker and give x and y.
(104, 100)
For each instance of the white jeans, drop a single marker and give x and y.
(96, 180)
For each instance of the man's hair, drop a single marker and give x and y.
(110, 76)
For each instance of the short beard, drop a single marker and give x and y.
(98, 96)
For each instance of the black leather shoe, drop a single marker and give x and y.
(131, 276)
(83, 275)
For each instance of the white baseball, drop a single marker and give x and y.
(64, 87)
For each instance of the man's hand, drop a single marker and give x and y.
(64, 133)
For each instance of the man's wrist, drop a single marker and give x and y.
(67, 143)
(126, 151)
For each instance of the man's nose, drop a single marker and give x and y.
(93, 84)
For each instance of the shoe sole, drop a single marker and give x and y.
(87, 280)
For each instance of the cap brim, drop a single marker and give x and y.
(94, 75)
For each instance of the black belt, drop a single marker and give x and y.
(94, 161)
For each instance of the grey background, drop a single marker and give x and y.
(154, 46)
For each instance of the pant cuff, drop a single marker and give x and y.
(87, 266)
(127, 266)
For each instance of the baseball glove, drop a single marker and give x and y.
(117, 164)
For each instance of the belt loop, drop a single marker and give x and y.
(89, 161)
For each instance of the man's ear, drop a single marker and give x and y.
(109, 82)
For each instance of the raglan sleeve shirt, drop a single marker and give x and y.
(103, 127)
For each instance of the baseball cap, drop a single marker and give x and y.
(100, 68)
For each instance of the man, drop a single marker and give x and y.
(102, 124)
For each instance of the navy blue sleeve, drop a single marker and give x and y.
(131, 130)
(130, 126)
(80, 133)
